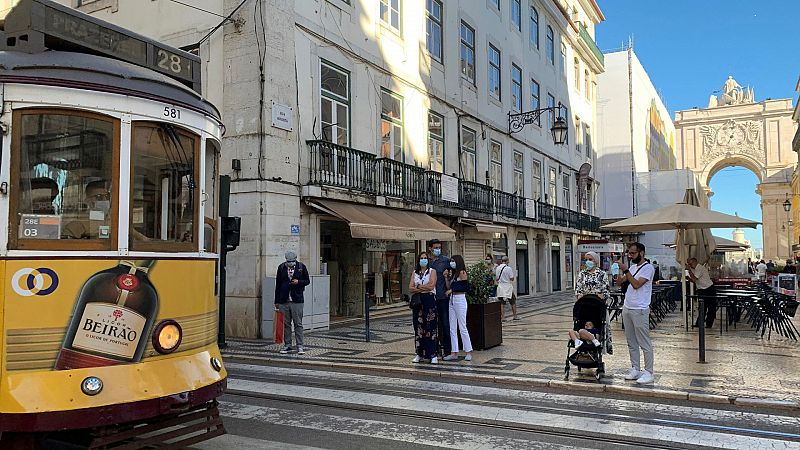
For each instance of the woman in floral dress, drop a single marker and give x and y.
(593, 279)
(423, 285)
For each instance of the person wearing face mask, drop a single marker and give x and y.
(504, 275)
(97, 225)
(441, 264)
(592, 280)
(423, 287)
(457, 288)
(290, 282)
(636, 312)
(491, 266)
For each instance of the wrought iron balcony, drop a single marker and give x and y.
(343, 167)
(475, 197)
(339, 166)
(396, 179)
(507, 204)
(591, 43)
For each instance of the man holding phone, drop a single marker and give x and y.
(636, 312)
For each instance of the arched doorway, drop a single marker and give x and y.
(734, 190)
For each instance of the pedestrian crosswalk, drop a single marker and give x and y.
(423, 413)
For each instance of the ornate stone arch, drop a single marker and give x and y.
(729, 160)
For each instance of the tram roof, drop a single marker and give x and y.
(98, 73)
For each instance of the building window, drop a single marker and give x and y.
(468, 153)
(390, 13)
(434, 29)
(519, 187)
(563, 61)
(535, 27)
(587, 85)
(516, 87)
(551, 103)
(334, 87)
(565, 188)
(494, 72)
(496, 165)
(578, 134)
(551, 186)
(435, 142)
(467, 52)
(577, 65)
(551, 49)
(391, 126)
(516, 14)
(496, 3)
(535, 101)
(536, 191)
(587, 139)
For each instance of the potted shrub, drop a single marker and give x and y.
(483, 317)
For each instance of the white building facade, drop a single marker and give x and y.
(357, 130)
(636, 152)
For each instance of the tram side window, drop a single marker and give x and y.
(66, 164)
(210, 199)
(164, 188)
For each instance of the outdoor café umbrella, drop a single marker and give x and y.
(680, 217)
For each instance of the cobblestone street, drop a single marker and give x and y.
(740, 364)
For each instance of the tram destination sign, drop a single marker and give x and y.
(45, 24)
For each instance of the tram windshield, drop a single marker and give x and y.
(67, 173)
(66, 164)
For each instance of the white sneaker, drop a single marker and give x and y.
(633, 374)
(416, 359)
(578, 343)
(645, 378)
(301, 350)
(450, 358)
(286, 349)
(468, 357)
(434, 360)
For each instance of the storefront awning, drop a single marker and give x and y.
(485, 227)
(372, 222)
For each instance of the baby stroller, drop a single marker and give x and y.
(588, 356)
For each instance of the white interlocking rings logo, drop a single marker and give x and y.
(28, 282)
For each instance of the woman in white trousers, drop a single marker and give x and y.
(457, 288)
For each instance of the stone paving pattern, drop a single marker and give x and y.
(739, 363)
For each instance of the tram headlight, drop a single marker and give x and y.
(167, 336)
(91, 385)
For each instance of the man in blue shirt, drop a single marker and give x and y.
(441, 264)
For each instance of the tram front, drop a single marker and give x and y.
(109, 247)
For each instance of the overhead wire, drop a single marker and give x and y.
(219, 25)
(201, 9)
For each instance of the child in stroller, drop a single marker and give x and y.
(590, 324)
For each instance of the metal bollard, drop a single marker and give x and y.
(701, 341)
(366, 316)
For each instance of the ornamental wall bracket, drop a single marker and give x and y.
(730, 139)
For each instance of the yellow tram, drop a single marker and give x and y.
(109, 237)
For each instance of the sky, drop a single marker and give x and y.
(689, 47)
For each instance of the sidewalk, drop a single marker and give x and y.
(740, 364)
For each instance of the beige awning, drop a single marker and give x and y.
(485, 227)
(372, 222)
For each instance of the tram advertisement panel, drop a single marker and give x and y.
(70, 314)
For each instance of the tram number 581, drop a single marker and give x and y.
(172, 113)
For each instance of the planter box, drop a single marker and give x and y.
(484, 325)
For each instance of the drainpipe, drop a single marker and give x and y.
(634, 209)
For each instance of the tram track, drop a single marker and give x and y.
(560, 432)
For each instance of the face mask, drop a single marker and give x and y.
(437, 252)
(291, 264)
(423, 262)
(102, 205)
(453, 264)
(488, 261)
(589, 264)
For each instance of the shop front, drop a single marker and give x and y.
(523, 271)
(370, 252)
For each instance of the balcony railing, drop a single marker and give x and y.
(344, 167)
(592, 44)
(396, 179)
(336, 165)
(476, 197)
(506, 204)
